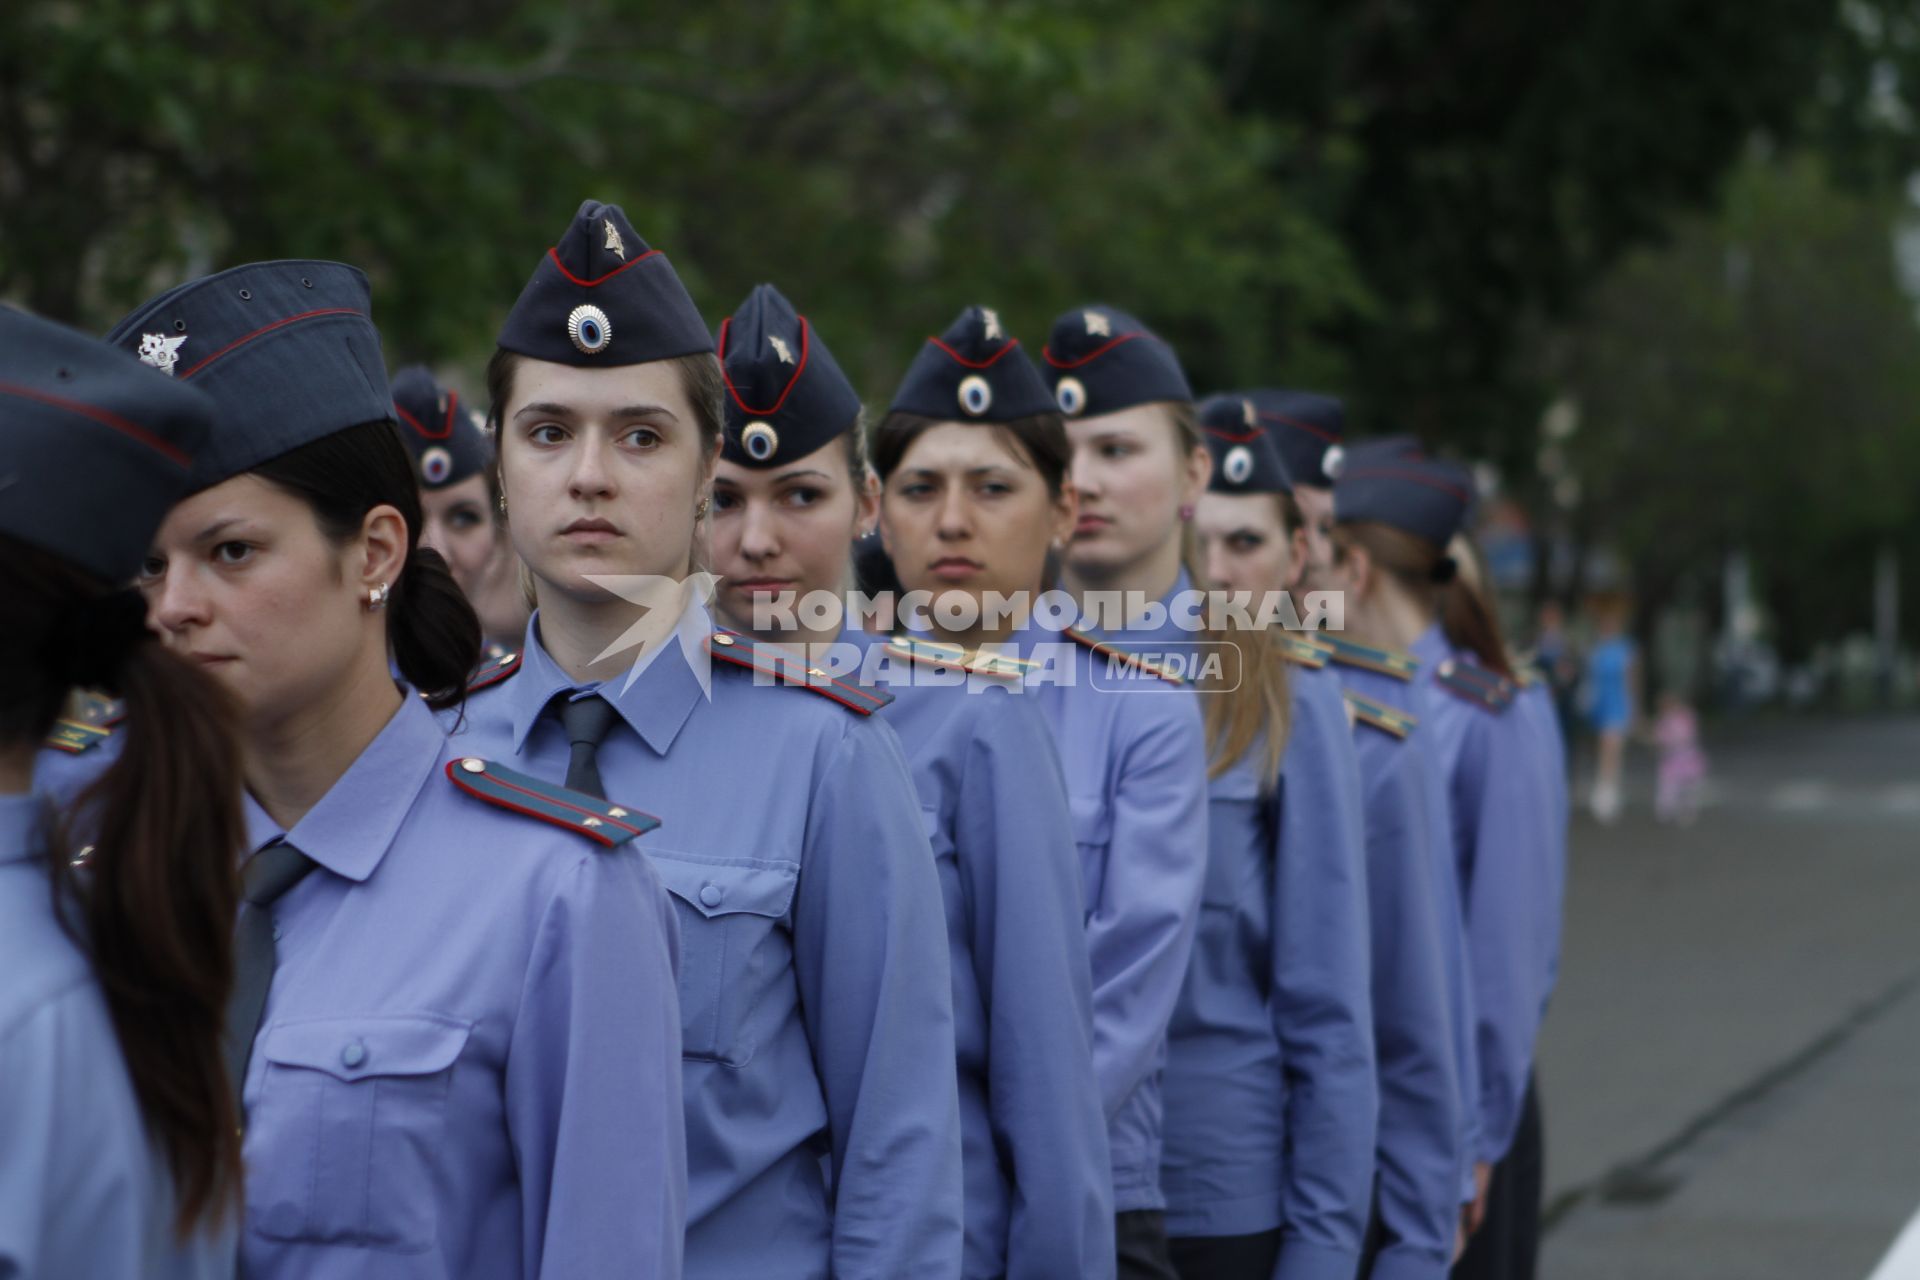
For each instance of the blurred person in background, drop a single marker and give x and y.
(1610, 696)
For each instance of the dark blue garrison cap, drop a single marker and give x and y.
(602, 297)
(1308, 429)
(286, 350)
(786, 396)
(443, 435)
(1245, 459)
(1101, 360)
(1423, 496)
(79, 418)
(971, 374)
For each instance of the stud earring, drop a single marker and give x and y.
(700, 512)
(377, 597)
(1186, 511)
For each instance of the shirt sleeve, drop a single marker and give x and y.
(1421, 1147)
(1140, 934)
(1017, 858)
(1505, 839)
(74, 1178)
(870, 952)
(1322, 1001)
(593, 1078)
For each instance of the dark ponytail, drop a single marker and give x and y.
(1467, 611)
(433, 629)
(159, 899)
(1431, 576)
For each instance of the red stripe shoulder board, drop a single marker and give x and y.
(947, 657)
(787, 667)
(610, 825)
(1132, 660)
(1488, 690)
(493, 671)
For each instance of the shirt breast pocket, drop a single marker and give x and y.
(733, 947)
(1092, 835)
(348, 1124)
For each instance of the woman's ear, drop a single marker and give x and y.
(383, 543)
(1066, 510)
(1297, 550)
(866, 503)
(1198, 470)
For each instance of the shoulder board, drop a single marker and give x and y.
(1485, 689)
(96, 709)
(1388, 662)
(75, 737)
(935, 653)
(1364, 710)
(1133, 660)
(586, 815)
(790, 668)
(493, 671)
(1303, 652)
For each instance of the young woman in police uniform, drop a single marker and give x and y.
(119, 1158)
(823, 1132)
(453, 1031)
(973, 464)
(791, 492)
(1271, 1091)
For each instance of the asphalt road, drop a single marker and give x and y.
(1731, 1067)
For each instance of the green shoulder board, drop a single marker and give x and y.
(790, 668)
(582, 814)
(1131, 660)
(1381, 715)
(1351, 653)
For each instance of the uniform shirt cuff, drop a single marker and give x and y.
(1401, 1262)
(1306, 1260)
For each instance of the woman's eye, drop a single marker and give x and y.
(641, 438)
(546, 433)
(1114, 451)
(1246, 542)
(802, 497)
(996, 488)
(916, 489)
(152, 569)
(232, 553)
(463, 520)
(723, 501)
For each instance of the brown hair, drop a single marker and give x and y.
(1260, 707)
(433, 629)
(1041, 439)
(156, 913)
(1424, 571)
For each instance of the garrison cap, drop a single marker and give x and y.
(441, 433)
(1101, 360)
(786, 395)
(1245, 459)
(971, 374)
(286, 350)
(78, 417)
(602, 297)
(1309, 430)
(1424, 496)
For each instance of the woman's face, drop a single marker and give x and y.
(602, 471)
(965, 512)
(1132, 478)
(788, 528)
(457, 521)
(242, 581)
(1316, 513)
(1244, 543)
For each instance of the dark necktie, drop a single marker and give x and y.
(586, 721)
(267, 875)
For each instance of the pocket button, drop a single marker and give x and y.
(711, 894)
(353, 1055)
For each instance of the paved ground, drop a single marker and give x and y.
(1731, 1068)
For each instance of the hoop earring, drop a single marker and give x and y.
(377, 597)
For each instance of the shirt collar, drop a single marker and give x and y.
(1432, 647)
(22, 827)
(354, 824)
(655, 698)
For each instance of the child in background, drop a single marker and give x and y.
(1683, 765)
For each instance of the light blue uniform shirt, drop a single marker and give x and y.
(1039, 1199)
(1271, 1091)
(816, 997)
(1500, 815)
(82, 1191)
(1535, 702)
(467, 1066)
(1134, 754)
(1418, 983)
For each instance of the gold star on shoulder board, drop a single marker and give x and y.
(781, 349)
(1097, 325)
(991, 319)
(614, 243)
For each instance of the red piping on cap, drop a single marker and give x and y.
(988, 363)
(726, 327)
(554, 253)
(106, 418)
(1307, 427)
(267, 328)
(446, 428)
(1411, 477)
(1244, 438)
(1095, 354)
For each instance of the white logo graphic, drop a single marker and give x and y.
(160, 351)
